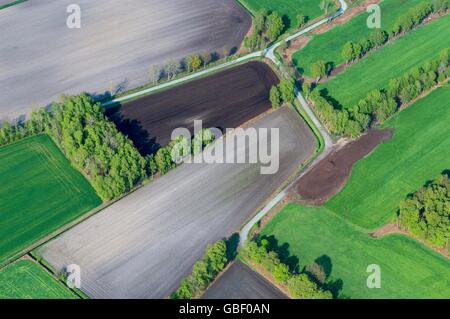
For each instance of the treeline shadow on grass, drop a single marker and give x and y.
(319, 271)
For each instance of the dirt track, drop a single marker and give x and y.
(329, 176)
(143, 245)
(240, 282)
(114, 49)
(223, 100)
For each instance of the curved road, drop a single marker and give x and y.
(268, 53)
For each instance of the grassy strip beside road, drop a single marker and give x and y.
(25, 279)
(408, 269)
(328, 46)
(418, 152)
(41, 192)
(375, 71)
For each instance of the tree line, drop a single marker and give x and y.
(405, 23)
(282, 93)
(301, 285)
(352, 51)
(93, 144)
(380, 105)
(426, 213)
(191, 63)
(267, 27)
(95, 147)
(166, 157)
(204, 271)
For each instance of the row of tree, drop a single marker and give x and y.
(352, 51)
(191, 63)
(204, 271)
(92, 144)
(96, 148)
(300, 285)
(426, 213)
(282, 93)
(166, 157)
(379, 105)
(266, 29)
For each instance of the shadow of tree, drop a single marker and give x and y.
(325, 93)
(232, 244)
(287, 23)
(319, 272)
(323, 264)
(132, 128)
(283, 253)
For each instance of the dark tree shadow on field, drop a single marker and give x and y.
(122, 86)
(325, 93)
(320, 272)
(133, 129)
(330, 67)
(287, 23)
(283, 253)
(215, 56)
(102, 97)
(325, 262)
(232, 244)
(446, 172)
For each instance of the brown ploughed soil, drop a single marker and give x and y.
(223, 100)
(329, 176)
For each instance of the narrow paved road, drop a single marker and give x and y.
(268, 53)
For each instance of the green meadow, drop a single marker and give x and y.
(389, 62)
(418, 152)
(338, 232)
(25, 279)
(328, 46)
(40, 192)
(408, 269)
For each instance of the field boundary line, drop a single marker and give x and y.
(11, 4)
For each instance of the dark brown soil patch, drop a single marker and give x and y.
(329, 176)
(241, 282)
(224, 100)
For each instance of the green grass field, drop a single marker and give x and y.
(408, 269)
(391, 61)
(288, 8)
(25, 279)
(40, 192)
(418, 152)
(328, 46)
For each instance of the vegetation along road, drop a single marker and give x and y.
(113, 50)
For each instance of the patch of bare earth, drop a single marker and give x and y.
(392, 228)
(329, 176)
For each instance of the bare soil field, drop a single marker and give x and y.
(144, 244)
(224, 100)
(241, 282)
(112, 51)
(329, 176)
